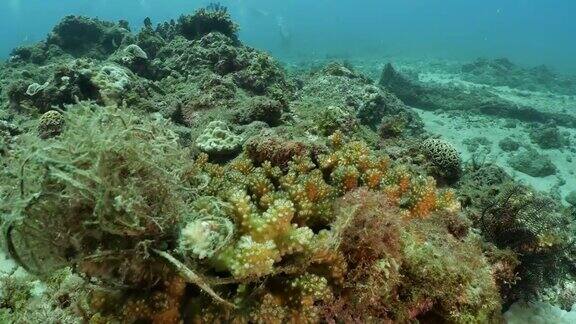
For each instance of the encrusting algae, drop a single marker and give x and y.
(174, 179)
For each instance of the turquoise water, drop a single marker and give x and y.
(526, 31)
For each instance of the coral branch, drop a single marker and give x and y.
(192, 277)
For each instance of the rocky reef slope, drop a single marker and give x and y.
(176, 175)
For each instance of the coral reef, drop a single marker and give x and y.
(175, 175)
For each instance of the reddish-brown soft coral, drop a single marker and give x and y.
(369, 228)
(402, 268)
(275, 150)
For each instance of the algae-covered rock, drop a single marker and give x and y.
(548, 136)
(337, 96)
(136, 59)
(571, 198)
(478, 143)
(260, 108)
(532, 163)
(214, 18)
(88, 37)
(448, 96)
(382, 251)
(508, 144)
(503, 72)
(112, 82)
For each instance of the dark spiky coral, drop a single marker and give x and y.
(534, 228)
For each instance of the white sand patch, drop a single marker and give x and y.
(457, 128)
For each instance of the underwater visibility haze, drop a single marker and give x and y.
(287, 162)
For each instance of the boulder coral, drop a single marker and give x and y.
(443, 157)
(51, 124)
(217, 140)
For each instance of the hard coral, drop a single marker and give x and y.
(218, 141)
(443, 156)
(51, 124)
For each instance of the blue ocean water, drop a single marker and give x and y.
(529, 32)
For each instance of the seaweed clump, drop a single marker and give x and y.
(391, 274)
(97, 198)
(214, 18)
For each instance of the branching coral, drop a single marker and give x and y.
(286, 224)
